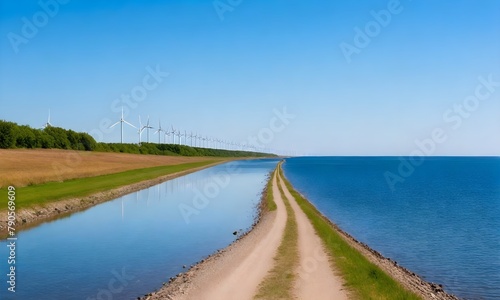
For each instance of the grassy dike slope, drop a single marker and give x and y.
(364, 279)
(54, 191)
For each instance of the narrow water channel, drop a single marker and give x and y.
(129, 246)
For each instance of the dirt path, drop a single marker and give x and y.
(315, 278)
(242, 281)
(237, 271)
(238, 274)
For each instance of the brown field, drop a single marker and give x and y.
(21, 167)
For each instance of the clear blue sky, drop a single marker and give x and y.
(230, 68)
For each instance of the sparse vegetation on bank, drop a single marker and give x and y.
(270, 205)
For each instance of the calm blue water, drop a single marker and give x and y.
(442, 222)
(128, 247)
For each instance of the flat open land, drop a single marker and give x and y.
(22, 167)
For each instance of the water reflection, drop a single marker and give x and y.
(145, 236)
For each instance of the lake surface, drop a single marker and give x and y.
(129, 246)
(442, 221)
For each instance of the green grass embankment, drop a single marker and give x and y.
(54, 191)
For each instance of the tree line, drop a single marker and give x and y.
(13, 135)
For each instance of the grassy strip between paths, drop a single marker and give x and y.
(363, 278)
(54, 191)
(270, 204)
(278, 284)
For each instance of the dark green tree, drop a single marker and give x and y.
(7, 134)
(60, 137)
(46, 140)
(25, 137)
(87, 141)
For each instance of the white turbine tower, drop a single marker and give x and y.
(159, 131)
(141, 129)
(173, 134)
(122, 120)
(179, 135)
(148, 127)
(48, 124)
(165, 134)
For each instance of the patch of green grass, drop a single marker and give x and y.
(364, 279)
(278, 284)
(54, 191)
(270, 204)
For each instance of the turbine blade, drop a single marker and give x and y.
(114, 124)
(128, 123)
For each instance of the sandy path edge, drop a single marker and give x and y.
(316, 278)
(36, 215)
(236, 271)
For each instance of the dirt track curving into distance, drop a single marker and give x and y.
(237, 271)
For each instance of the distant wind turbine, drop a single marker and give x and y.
(122, 120)
(159, 131)
(165, 134)
(173, 134)
(195, 138)
(141, 129)
(200, 141)
(179, 135)
(148, 127)
(48, 124)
